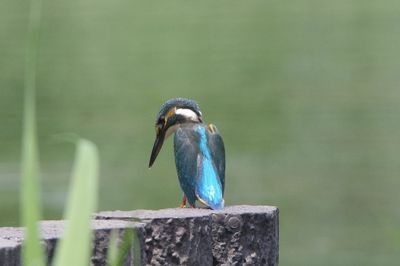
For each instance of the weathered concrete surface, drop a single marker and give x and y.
(9, 252)
(10, 246)
(236, 235)
(245, 238)
(11, 240)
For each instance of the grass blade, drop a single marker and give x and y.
(75, 246)
(32, 252)
(117, 252)
(30, 209)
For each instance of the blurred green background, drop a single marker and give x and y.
(305, 93)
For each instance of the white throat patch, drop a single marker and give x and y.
(189, 114)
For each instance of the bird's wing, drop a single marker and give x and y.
(186, 148)
(200, 163)
(217, 148)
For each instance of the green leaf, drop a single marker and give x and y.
(117, 252)
(75, 246)
(32, 252)
(30, 209)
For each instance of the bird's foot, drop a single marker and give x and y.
(183, 203)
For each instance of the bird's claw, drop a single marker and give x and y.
(183, 203)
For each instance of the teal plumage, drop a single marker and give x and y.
(200, 174)
(199, 152)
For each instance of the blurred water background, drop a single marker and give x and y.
(305, 93)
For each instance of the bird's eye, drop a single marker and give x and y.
(161, 120)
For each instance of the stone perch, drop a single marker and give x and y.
(236, 235)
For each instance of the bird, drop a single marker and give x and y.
(199, 152)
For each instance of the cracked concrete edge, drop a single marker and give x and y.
(236, 235)
(138, 215)
(10, 251)
(173, 236)
(51, 231)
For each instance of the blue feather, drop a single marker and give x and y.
(208, 187)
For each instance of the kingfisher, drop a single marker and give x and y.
(199, 152)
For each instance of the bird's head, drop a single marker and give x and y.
(172, 114)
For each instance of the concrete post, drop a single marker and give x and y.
(236, 235)
(11, 240)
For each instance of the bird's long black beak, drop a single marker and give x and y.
(157, 146)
